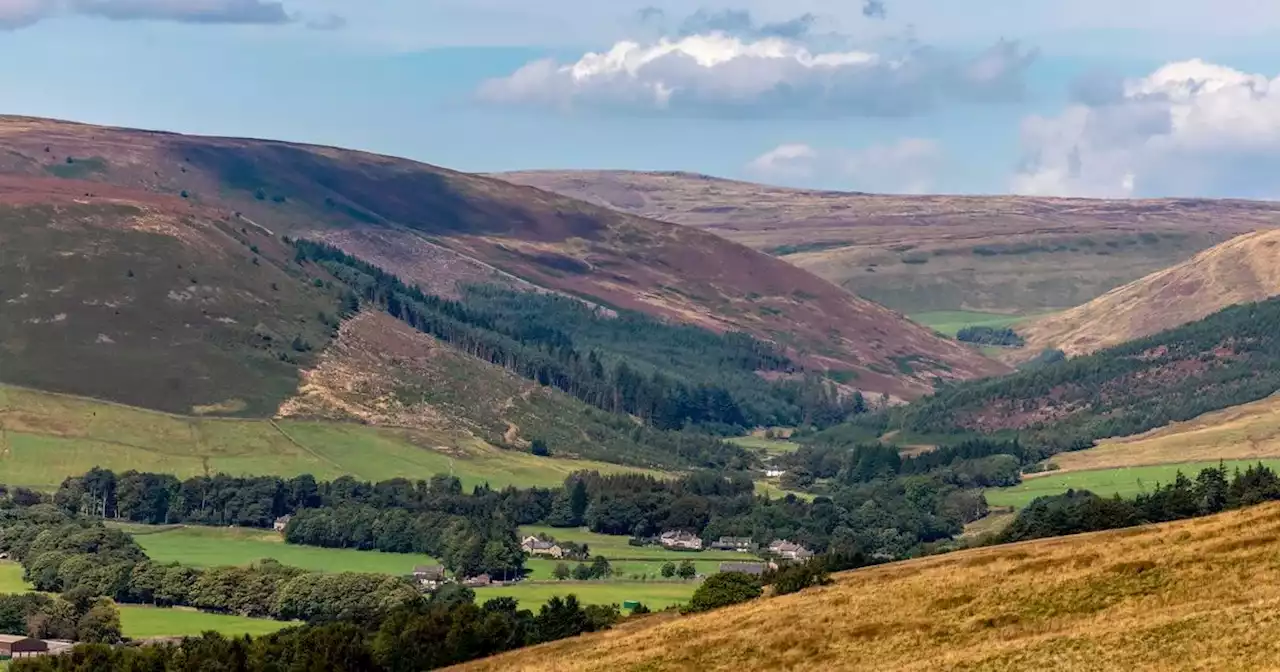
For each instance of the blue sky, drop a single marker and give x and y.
(1138, 98)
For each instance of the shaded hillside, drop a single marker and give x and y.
(471, 227)
(926, 253)
(383, 372)
(1194, 594)
(148, 300)
(1243, 269)
(1229, 358)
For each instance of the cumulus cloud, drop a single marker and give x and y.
(718, 73)
(22, 13)
(908, 166)
(1189, 128)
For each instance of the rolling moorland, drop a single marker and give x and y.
(1243, 269)
(397, 214)
(538, 365)
(1186, 595)
(915, 254)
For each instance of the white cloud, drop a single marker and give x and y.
(1189, 128)
(908, 166)
(718, 74)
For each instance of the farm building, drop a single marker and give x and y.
(17, 646)
(752, 568)
(681, 540)
(740, 544)
(536, 546)
(429, 577)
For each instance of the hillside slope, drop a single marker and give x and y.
(1195, 594)
(436, 228)
(1229, 358)
(915, 254)
(1243, 269)
(148, 300)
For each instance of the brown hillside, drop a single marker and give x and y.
(1243, 269)
(149, 300)
(471, 228)
(1193, 595)
(923, 253)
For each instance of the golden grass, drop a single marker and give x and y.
(1241, 432)
(1240, 270)
(1200, 594)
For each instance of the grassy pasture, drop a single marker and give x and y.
(950, 322)
(140, 622)
(614, 546)
(46, 437)
(770, 446)
(654, 594)
(1124, 481)
(219, 546)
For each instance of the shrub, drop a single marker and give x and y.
(722, 590)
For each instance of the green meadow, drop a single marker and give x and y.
(221, 546)
(950, 322)
(654, 594)
(1124, 481)
(46, 437)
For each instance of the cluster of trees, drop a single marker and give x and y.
(598, 569)
(972, 463)
(466, 545)
(471, 533)
(673, 376)
(78, 615)
(1213, 490)
(75, 556)
(447, 629)
(881, 519)
(1226, 359)
(1004, 336)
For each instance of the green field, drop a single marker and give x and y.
(1126, 481)
(540, 569)
(47, 437)
(770, 446)
(654, 594)
(220, 546)
(140, 622)
(11, 578)
(614, 546)
(949, 322)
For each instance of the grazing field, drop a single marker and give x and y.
(1125, 481)
(540, 569)
(141, 622)
(220, 546)
(11, 578)
(654, 594)
(1191, 595)
(47, 437)
(950, 322)
(769, 446)
(1245, 432)
(615, 546)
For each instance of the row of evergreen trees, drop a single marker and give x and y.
(672, 376)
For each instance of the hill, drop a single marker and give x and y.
(1226, 359)
(438, 229)
(1194, 594)
(1243, 269)
(1003, 254)
(149, 300)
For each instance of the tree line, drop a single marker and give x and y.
(428, 633)
(672, 376)
(1212, 491)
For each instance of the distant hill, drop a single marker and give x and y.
(438, 228)
(1160, 597)
(1243, 269)
(1007, 254)
(1229, 358)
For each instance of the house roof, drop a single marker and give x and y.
(540, 544)
(429, 570)
(10, 639)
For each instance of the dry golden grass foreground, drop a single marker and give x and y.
(1202, 594)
